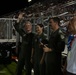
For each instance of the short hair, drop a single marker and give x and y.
(55, 19)
(41, 25)
(28, 22)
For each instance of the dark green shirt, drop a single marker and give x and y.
(57, 44)
(27, 38)
(38, 49)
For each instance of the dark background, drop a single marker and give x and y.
(8, 6)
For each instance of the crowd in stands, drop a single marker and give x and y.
(41, 11)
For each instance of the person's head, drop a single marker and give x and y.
(28, 26)
(54, 22)
(39, 28)
(72, 26)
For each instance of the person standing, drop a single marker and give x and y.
(55, 46)
(38, 53)
(26, 46)
(71, 60)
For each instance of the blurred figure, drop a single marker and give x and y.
(38, 53)
(26, 47)
(71, 60)
(55, 47)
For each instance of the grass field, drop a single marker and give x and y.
(8, 69)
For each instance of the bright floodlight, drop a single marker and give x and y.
(29, 0)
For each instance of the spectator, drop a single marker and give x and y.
(71, 60)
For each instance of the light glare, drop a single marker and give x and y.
(29, 0)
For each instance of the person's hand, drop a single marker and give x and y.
(64, 70)
(31, 60)
(46, 49)
(20, 17)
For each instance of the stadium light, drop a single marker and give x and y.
(29, 0)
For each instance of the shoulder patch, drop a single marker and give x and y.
(62, 36)
(60, 31)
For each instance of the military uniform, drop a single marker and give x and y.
(25, 52)
(53, 58)
(39, 69)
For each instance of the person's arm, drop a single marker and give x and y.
(47, 49)
(32, 55)
(60, 45)
(64, 67)
(32, 52)
(42, 59)
(17, 24)
(18, 29)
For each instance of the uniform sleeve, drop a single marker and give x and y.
(33, 40)
(45, 40)
(60, 45)
(18, 29)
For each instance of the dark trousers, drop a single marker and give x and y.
(68, 73)
(39, 69)
(52, 68)
(53, 63)
(24, 62)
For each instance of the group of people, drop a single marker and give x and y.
(41, 53)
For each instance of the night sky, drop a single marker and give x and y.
(13, 5)
(9, 6)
